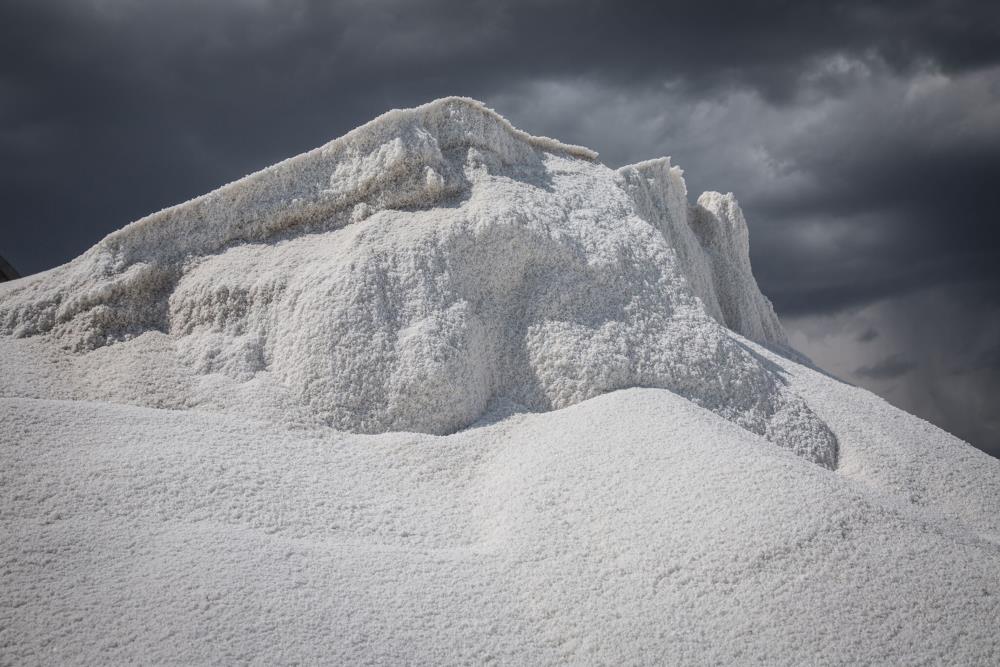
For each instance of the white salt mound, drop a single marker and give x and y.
(420, 269)
(225, 432)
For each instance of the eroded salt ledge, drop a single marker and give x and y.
(409, 275)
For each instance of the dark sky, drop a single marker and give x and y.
(863, 139)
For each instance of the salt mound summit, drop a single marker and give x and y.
(415, 273)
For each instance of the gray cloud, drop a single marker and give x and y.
(886, 369)
(868, 335)
(986, 362)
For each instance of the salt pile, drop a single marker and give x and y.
(374, 404)
(424, 266)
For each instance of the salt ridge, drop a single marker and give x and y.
(418, 270)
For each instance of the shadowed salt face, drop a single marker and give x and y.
(424, 266)
(7, 272)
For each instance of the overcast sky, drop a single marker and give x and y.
(862, 139)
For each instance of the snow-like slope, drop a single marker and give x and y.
(634, 528)
(634, 473)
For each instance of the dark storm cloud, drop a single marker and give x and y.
(866, 336)
(987, 361)
(912, 175)
(990, 359)
(863, 139)
(887, 369)
(217, 73)
(113, 109)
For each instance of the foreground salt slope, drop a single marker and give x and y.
(633, 528)
(410, 276)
